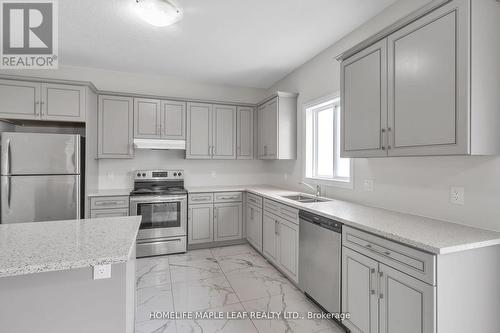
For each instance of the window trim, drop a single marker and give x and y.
(336, 181)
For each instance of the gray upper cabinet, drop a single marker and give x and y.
(115, 127)
(199, 131)
(244, 133)
(211, 131)
(147, 118)
(19, 99)
(62, 102)
(364, 102)
(224, 132)
(173, 120)
(425, 86)
(428, 104)
(277, 127)
(42, 101)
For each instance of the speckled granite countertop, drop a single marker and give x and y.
(431, 235)
(27, 248)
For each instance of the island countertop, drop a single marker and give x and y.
(27, 248)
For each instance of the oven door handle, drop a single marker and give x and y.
(152, 199)
(148, 241)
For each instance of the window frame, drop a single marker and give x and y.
(309, 173)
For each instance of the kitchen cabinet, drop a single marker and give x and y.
(109, 206)
(381, 298)
(211, 131)
(418, 88)
(115, 127)
(254, 226)
(147, 116)
(277, 127)
(173, 120)
(42, 101)
(280, 237)
(364, 102)
(215, 217)
(200, 224)
(270, 237)
(244, 132)
(199, 131)
(228, 221)
(224, 132)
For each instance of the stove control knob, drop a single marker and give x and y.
(179, 174)
(144, 175)
(138, 175)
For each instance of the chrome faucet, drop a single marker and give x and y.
(318, 188)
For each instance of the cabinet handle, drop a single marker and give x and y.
(370, 247)
(229, 198)
(265, 150)
(107, 203)
(381, 275)
(215, 213)
(383, 136)
(251, 213)
(41, 108)
(276, 227)
(388, 131)
(37, 107)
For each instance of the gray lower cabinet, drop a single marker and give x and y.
(100, 213)
(280, 243)
(42, 101)
(228, 221)
(381, 298)
(200, 224)
(254, 226)
(115, 127)
(244, 133)
(109, 206)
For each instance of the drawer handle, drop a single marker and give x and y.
(200, 199)
(370, 247)
(107, 203)
(229, 198)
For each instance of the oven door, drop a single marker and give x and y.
(162, 216)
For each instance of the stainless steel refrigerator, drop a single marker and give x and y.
(40, 177)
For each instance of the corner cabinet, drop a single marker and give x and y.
(419, 90)
(22, 100)
(277, 128)
(211, 131)
(115, 127)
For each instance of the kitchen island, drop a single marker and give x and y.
(47, 275)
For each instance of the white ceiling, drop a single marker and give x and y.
(250, 43)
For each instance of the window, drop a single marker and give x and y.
(322, 141)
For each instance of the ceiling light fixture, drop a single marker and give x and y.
(159, 13)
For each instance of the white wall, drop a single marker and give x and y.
(414, 185)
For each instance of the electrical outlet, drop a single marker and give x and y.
(457, 195)
(213, 174)
(368, 185)
(102, 272)
(285, 176)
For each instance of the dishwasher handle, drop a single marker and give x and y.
(320, 221)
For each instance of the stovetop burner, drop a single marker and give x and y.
(159, 182)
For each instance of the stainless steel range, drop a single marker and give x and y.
(160, 198)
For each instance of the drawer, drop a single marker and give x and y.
(109, 202)
(201, 198)
(228, 197)
(146, 248)
(416, 263)
(288, 213)
(98, 213)
(254, 200)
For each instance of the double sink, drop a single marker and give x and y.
(303, 198)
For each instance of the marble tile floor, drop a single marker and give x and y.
(228, 280)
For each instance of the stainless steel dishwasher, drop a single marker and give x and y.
(320, 246)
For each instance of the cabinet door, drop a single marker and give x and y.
(360, 292)
(250, 224)
(147, 118)
(244, 133)
(254, 227)
(61, 102)
(173, 120)
(271, 129)
(406, 304)
(116, 127)
(19, 100)
(288, 251)
(270, 237)
(428, 85)
(200, 224)
(199, 131)
(364, 102)
(261, 129)
(224, 132)
(228, 221)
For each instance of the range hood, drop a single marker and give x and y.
(159, 144)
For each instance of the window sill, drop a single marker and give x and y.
(339, 182)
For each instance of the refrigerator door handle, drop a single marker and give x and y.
(9, 185)
(9, 158)
(76, 197)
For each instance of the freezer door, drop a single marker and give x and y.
(39, 154)
(39, 198)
